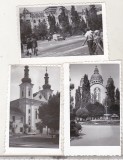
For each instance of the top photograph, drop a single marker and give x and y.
(58, 31)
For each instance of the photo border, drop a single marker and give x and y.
(34, 151)
(87, 150)
(63, 59)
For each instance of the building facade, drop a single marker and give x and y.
(97, 89)
(24, 111)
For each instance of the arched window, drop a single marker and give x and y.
(22, 94)
(29, 93)
(97, 94)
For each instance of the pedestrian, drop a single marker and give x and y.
(29, 47)
(89, 39)
(97, 48)
(34, 46)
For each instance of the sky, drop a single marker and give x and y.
(36, 73)
(68, 7)
(77, 71)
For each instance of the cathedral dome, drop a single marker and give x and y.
(96, 78)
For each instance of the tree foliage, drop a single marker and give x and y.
(82, 113)
(49, 113)
(75, 20)
(25, 29)
(40, 30)
(96, 109)
(86, 90)
(64, 22)
(110, 92)
(52, 23)
(94, 21)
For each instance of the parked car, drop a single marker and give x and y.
(58, 37)
(31, 133)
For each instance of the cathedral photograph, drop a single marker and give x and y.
(34, 119)
(55, 31)
(95, 104)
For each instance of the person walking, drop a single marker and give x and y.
(29, 47)
(34, 46)
(89, 39)
(97, 48)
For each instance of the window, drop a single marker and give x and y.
(29, 93)
(21, 129)
(13, 118)
(22, 119)
(29, 111)
(36, 115)
(22, 93)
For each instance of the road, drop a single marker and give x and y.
(71, 46)
(99, 135)
(33, 141)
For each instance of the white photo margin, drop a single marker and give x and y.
(86, 150)
(15, 151)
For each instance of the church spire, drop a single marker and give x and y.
(26, 75)
(96, 71)
(46, 77)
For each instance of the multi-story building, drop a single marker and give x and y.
(24, 111)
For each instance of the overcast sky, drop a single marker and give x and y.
(39, 9)
(36, 73)
(77, 71)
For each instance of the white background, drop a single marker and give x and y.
(9, 45)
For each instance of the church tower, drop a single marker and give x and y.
(47, 91)
(26, 85)
(96, 87)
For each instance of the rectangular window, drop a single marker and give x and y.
(22, 119)
(36, 114)
(21, 129)
(29, 93)
(29, 111)
(13, 118)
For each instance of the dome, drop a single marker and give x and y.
(96, 78)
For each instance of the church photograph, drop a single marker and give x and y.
(95, 104)
(34, 119)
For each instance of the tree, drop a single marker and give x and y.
(40, 30)
(75, 20)
(83, 25)
(110, 92)
(49, 112)
(86, 90)
(77, 98)
(82, 113)
(96, 109)
(25, 29)
(93, 22)
(64, 22)
(117, 97)
(52, 23)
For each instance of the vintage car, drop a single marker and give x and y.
(58, 37)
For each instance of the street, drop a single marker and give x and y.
(98, 135)
(34, 141)
(71, 46)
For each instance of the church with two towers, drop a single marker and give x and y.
(24, 111)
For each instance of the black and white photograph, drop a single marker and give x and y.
(54, 31)
(34, 119)
(95, 104)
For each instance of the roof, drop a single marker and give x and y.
(16, 110)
